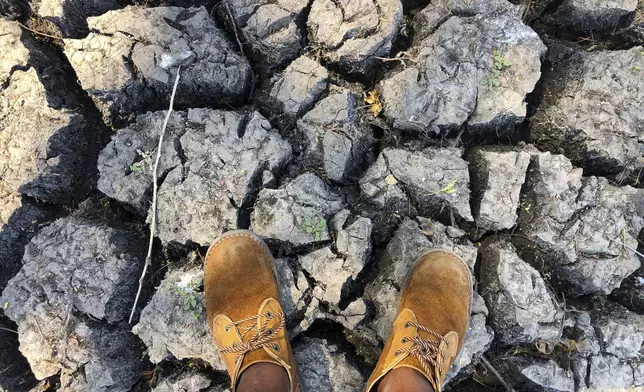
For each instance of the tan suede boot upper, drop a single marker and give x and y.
(433, 317)
(242, 304)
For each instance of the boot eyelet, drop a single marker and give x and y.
(403, 341)
(276, 347)
(269, 314)
(269, 331)
(407, 324)
(227, 328)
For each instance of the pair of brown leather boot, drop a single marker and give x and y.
(247, 321)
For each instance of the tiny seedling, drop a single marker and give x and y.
(499, 64)
(449, 189)
(189, 294)
(315, 226)
(141, 165)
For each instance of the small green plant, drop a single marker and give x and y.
(190, 295)
(141, 165)
(450, 188)
(315, 226)
(499, 64)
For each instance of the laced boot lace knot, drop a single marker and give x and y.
(426, 351)
(262, 336)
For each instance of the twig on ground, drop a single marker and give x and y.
(232, 22)
(38, 32)
(491, 368)
(628, 247)
(155, 186)
(8, 330)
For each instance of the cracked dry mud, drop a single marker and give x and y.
(351, 135)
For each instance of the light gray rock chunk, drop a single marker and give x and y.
(293, 288)
(296, 213)
(337, 138)
(187, 382)
(608, 372)
(325, 368)
(441, 191)
(76, 266)
(410, 241)
(174, 323)
(619, 332)
(156, 42)
(572, 229)
(299, 86)
(592, 16)
(497, 178)
(270, 28)
(522, 309)
(548, 376)
(475, 69)
(353, 34)
(46, 156)
(590, 112)
(213, 162)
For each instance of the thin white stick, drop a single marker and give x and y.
(153, 222)
(627, 247)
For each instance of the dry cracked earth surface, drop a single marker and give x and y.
(351, 135)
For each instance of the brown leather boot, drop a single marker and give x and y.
(243, 308)
(432, 320)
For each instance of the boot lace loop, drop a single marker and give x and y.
(262, 336)
(425, 350)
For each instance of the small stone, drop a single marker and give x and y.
(590, 16)
(300, 85)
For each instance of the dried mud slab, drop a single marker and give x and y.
(470, 63)
(173, 323)
(399, 176)
(591, 16)
(74, 270)
(592, 110)
(352, 34)
(297, 213)
(213, 163)
(128, 63)
(522, 309)
(337, 137)
(572, 227)
(45, 156)
(497, 177)
(294, 91)
(270, 28)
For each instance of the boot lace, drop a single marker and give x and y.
(262, 336)
(425, 350)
